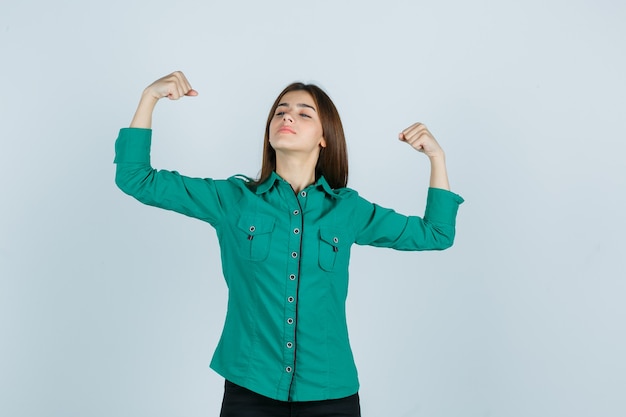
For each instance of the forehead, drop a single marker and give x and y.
(297, 97)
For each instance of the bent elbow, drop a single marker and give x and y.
(121, 182)
(443, 238)
(447, 243)
(131, 180)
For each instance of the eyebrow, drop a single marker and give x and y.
(298, 105)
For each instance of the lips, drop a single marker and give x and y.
(286, 129)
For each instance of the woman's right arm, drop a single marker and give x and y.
(196, 197)
(172, 86)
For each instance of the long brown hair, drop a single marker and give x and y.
(333, 159)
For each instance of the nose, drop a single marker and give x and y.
(287, 117)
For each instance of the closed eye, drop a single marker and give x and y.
(282, 113)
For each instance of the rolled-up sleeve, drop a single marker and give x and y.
(194, 197)
(383, 227)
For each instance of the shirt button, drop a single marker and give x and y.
(292, 277)
(252, 228)
(289, 320)
(288, 369)
(294, 254)
(303, 194)
(296, 212)
(296, 230)
(336, 239)
(289, 345)
(290, 299)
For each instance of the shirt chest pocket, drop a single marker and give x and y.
(255, 240)
(334, 249)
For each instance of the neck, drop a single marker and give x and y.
(298, 172)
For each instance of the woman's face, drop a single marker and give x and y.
(296, 126)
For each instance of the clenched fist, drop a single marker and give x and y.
(418, 136)
(173, 86)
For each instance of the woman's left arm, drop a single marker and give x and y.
(418, 136)
(379, 226)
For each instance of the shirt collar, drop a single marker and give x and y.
(267, 185)
(321, 183)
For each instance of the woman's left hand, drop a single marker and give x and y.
(418, 136)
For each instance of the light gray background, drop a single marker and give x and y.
(112, 308)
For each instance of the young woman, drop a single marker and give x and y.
(285, 241)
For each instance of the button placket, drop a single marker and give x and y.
(302, 198)
(289, 343)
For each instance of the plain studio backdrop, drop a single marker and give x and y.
(112, 308)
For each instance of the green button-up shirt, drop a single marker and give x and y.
(285, 260)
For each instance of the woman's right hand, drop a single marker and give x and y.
(172, 86)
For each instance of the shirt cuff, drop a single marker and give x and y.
(442, 205)
(133, 146)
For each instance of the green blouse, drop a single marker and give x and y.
(285, 260)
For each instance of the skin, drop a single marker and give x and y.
(297, 137)
(295, 132)
(173, 86)
(418, 136)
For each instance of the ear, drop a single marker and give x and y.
(323, 142)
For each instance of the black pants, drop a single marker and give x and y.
(241, 402)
